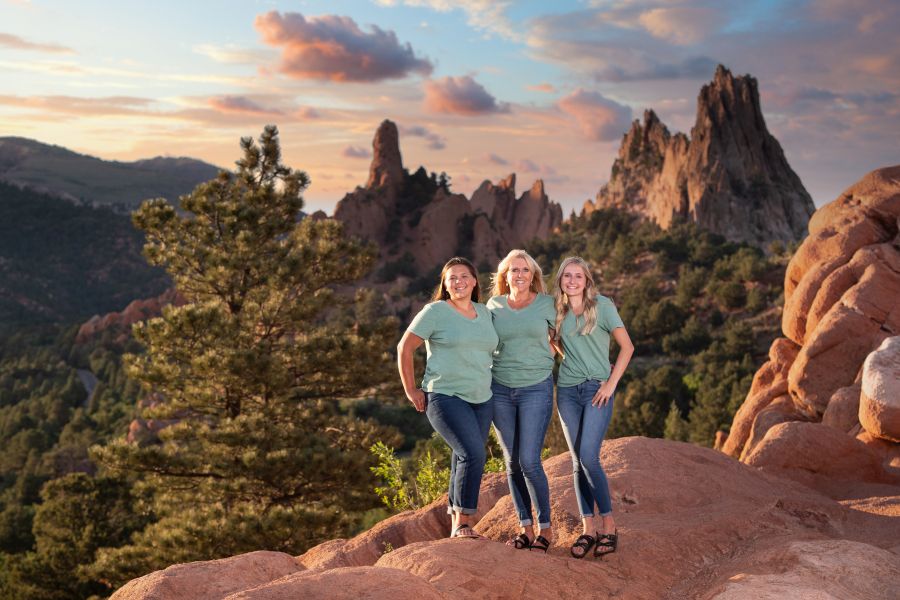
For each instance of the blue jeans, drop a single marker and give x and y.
(584, 426)
(464, 426)
(521, 417)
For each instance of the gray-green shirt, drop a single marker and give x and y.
(459, 351)
(523, 356)
(587, 356)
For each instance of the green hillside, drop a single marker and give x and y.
(123, 185)
(60, 262)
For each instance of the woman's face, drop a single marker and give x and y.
(573, 280)
(459, 282)
(519, 275)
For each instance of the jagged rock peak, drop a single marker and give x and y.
(537, 190)
(731, 177)
(509, 183)
(387, 164)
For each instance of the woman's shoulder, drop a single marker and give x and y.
(601, 300)
(495, 302)
(545, 299)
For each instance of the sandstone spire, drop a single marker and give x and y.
(387, 165)
(731, 177)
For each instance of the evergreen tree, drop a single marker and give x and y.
(258, 455)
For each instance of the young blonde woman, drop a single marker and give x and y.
(586, 386)
(455, 395)
(522, 389)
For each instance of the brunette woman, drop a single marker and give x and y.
(459, 341)
(584, 396)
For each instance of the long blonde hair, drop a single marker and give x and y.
(501, 286)
(589, 300)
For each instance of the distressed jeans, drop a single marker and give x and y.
(464, 426)
(521, 417)
(584, 426)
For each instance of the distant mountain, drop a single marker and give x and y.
(730, 177)
(122, 185)
(63, 262)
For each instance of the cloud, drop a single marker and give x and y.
(542, 87)
(600, 118)
(231, 54)
(8, 40)
(485, 15)
(460, 96)
(355, 152)
(681, 25)
(435, 141)
(80, 107)
(495, 160)
(241, 105)
(527, 166)
(334, 48)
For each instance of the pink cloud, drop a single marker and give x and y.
(461, 96)
(355, 152)
(334, 48)
(435, 141)
(240, 105)
(7, 40)
(600, 118)
(542, 87)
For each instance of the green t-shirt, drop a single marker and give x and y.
(587, 356)
(523, 356)
(459, 351)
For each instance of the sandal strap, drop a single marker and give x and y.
(585, 541)
(521, 541)
(540, 543)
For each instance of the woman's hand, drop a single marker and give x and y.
(417, 397)
(606, 391)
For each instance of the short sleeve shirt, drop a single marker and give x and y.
(523, 357)
(587, 356)
(459, 351)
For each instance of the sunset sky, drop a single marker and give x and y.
(478, 88)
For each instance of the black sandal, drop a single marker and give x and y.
(540, 543)
(466, 531)
(520, 542)
(612, 541)
(585, 543)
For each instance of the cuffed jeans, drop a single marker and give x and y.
(584, 426)
(521, 417)
(464, 426)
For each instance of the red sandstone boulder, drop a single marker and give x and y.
(799, 449)
(348, 583)
(843, 409)
(817, 569)
(210, 580)
(768, 383)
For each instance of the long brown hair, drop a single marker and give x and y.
(441, 293)
(501, 286)
(589, 300)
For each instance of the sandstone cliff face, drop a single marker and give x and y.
(839, 362)
(692, 523)
(730, 177)
(121, 322)
(403, 213)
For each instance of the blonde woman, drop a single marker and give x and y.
(456, 390)
(585, 391)
(522, 389)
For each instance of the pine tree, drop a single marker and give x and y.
(258, 455)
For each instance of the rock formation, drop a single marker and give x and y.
(839, 362)
(121, 322)
(693, 523)
(410, 214)
(730, 177)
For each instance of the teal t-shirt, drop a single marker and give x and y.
(459, 351)
(587, 356)
(523, 357)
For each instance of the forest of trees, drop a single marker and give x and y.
(286, 426)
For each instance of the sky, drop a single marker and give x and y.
(478, 88)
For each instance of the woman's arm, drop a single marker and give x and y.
(626, 351)
(405, 350)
